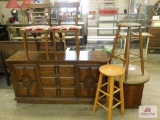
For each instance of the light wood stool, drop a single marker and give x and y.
(127, 47)
(111, 71)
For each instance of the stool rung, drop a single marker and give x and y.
(118, 56)
(101, 96)
(102, 105)
(104, 92)
(135, 54)
(116, 99)
(116, 91)
(104, 84)
(135, 60)
(116, 104)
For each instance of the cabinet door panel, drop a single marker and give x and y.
(88, 77)
(25, 80)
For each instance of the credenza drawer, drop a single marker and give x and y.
(61, 92)
(61, 81)
(57, 70)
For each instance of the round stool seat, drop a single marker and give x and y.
(129, 24)
(111, 70)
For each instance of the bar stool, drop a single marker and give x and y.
(111, 71)
(125, 59)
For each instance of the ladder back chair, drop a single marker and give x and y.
(38, 27)
(63, 28)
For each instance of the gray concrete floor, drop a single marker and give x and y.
(10, 110)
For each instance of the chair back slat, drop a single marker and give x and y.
(46, 14)
(59, 5)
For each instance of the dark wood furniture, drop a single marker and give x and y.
(8, 48)
(154, 42)
(154, 29)
(63, 78)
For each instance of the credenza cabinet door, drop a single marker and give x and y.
(25, 80)
(87, 76)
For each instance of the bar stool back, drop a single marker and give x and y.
(111, 71)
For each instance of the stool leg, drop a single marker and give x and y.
(121, 93)
(114, 45)
(97, 92)
(127, 52)
(111, 90)
(25, 44)
(46, 41)
(107, 97)
(141, 50)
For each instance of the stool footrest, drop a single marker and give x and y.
(104, 92)
(135, 54)
(102, 105)
(104, 84)
(135, 61)
(119, 56)
(101, 96)
(116, 104)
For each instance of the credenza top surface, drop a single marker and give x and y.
(67, 56)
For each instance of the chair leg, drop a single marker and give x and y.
(77, 42)
(25, 44)
(97, 92)
(46, 41)
(54, 41)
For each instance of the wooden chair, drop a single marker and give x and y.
(40, 18)
(64, 28)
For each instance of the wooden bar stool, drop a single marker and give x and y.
(111, 71)
(127, 46)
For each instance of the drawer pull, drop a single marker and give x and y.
(58, 92)
(56, 69)
(57, 81)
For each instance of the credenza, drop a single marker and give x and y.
(65, 78)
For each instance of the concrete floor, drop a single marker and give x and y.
(10, 110)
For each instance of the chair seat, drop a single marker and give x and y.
(39, 28)
(66, 27)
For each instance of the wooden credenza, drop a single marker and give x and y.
(64, 78)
